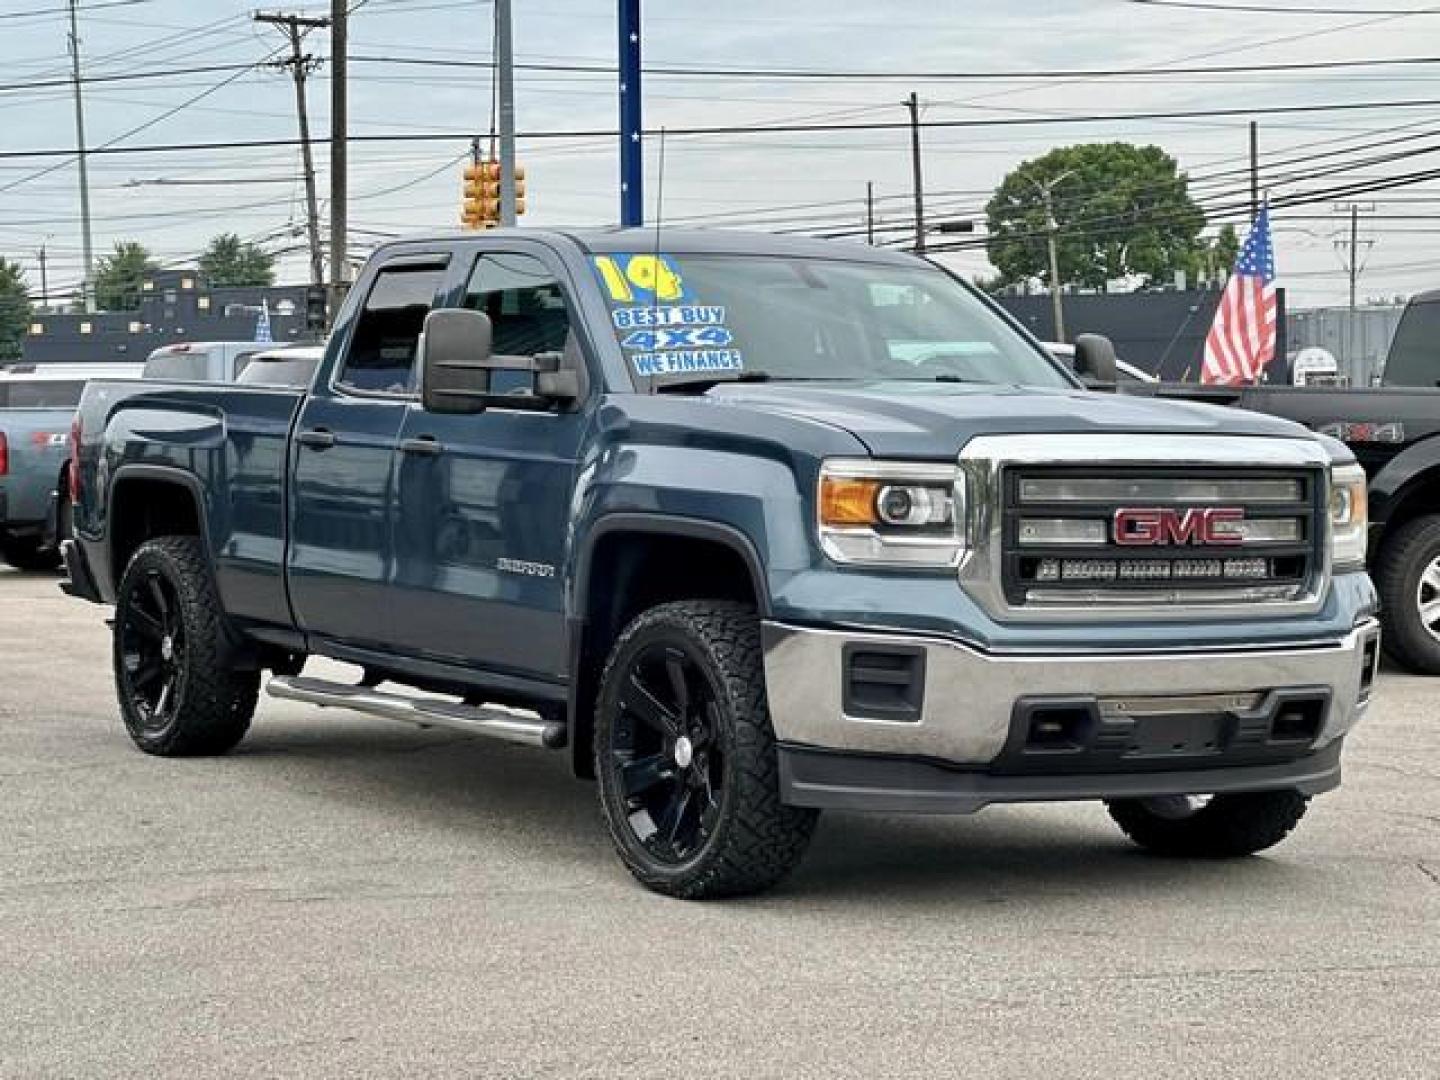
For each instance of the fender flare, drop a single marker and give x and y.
(1393, 483)
(165, 474)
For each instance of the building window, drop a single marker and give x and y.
(187, 282)
(147, 286)
(170, 296)
(36, 329)
(134, 327)
(203, 303)
(85, 328)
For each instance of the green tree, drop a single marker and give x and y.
(227, 260)
(119, 275)
(14, 309)
(1120, 211)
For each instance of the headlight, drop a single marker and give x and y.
(887, 513)
(1349, 518)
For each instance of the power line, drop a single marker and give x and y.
(767, 129)
(43, 12)
(1271, 9)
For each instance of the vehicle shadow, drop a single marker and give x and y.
(477, 788)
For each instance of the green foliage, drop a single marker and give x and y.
(229, 261)
(15, 309)
(119, 275)
(1121, 211)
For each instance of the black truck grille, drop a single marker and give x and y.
(1147, 535)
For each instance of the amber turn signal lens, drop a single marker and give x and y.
(847, 501)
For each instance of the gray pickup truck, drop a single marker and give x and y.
(750, 527)
(37, 405)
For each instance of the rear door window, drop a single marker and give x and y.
(527, 311)
(1415, 352)
(40, 394)
(381, 357)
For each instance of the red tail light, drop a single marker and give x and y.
(74, 466)
(4, 455)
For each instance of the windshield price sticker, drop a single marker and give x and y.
(675, 363)
(684, 337)
(640, 279)
(686, 315)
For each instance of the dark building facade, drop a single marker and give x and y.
(1162, 332)
(175, 305)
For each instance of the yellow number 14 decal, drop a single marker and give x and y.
(643, 278)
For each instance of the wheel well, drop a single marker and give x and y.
(631, 572)
(142, 509)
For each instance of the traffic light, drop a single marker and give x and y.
(315, 309)
(481, 208)
(519, 190)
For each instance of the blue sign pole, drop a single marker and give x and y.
(632, 159)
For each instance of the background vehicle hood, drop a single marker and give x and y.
(934, 420)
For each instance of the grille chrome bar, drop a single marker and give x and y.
(1114, 489)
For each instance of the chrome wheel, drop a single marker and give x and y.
(1427, 599)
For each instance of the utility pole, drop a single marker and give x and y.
(339, 145)
(86, 248)
(1254, 170)
(913, 104)
(505, 92)
(44, 282)
(870, 212)
(300, 64)
(632, 159)
(1353, 268)
(1052, 243)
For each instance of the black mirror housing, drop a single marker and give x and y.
(455, 361)
(1095, 360)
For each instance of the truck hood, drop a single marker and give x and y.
(934, 420)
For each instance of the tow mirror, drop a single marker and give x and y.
(1095, 360)
(455, 361)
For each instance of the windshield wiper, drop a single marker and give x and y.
(699, 383)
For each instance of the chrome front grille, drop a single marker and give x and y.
(1127, 535)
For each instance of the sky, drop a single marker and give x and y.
(174, 201)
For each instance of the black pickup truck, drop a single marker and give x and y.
(752, 527)
(1394, 431)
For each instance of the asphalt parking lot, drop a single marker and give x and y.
(350, 897)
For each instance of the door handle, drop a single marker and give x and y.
(319, 438)
(423, 444)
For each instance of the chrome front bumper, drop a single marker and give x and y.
(966, 710)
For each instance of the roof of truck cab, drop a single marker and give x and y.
(682, 241)
(1431, 297)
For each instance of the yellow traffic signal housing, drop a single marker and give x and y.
(519, 189)
(480, 208)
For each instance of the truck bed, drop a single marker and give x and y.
(228, 444)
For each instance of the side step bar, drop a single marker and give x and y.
(418, 710)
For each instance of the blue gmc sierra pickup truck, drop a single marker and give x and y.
(751, 527)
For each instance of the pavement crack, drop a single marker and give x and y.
(1433, 875)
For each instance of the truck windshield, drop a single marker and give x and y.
(40, 394)
(1415, 351)
(724, 316)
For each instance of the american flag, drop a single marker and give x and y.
(1242, 338)
(262, 324)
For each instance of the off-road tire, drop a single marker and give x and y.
(1403, 559)
(1227, 827)
(29, 555)
(213, 702)
(757, 840)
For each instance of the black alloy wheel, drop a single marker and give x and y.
(667, 753)
(152, 650)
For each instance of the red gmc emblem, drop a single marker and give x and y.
(1161, 526)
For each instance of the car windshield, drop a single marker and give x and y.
(729, 316)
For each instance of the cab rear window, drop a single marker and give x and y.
(1415, 351)
(40, 394)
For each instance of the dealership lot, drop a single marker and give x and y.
(347, 896)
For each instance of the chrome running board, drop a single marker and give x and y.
(419, 710)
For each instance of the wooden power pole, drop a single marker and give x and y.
(301, 64)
